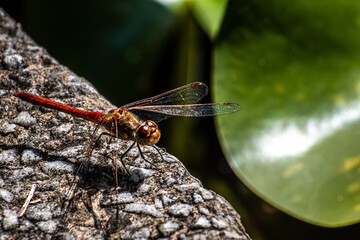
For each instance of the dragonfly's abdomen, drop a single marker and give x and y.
(40, 101)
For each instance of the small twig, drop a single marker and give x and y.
(24, 207)
(35, 201)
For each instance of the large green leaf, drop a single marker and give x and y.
(295, 69)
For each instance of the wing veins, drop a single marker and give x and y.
(191, 110)
(190, 93)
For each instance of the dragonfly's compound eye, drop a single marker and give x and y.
(148, 133)
(150, 123)
(144, 131)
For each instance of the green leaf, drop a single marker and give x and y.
(209, 13)
(295, 70)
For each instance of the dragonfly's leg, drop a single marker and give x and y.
(87, 154)
(143, 157)
(115, 162)
(121, 158)
(103, 134)
(158, 150)
(90, 148)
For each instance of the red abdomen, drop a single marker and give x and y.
(40, 101)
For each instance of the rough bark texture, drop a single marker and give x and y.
(44, 147)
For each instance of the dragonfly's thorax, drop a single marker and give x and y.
(121, 124)
(126, 125)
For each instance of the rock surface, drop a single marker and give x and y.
(44, 147)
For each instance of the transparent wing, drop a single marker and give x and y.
(187, 94)
(161, 112)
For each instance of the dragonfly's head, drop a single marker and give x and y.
(148, 133)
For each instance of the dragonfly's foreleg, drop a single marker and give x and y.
(143, 157)
(158, 150)
(121, 158)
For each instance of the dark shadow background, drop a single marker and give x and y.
(134, 49)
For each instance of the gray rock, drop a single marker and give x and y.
(180, 209)
(63, 129)
(170, 158)
(65, 236)
(49, 226)
(197, 197)
(182, 236)
(6, 195)
(25, 119)
(230, 219)
(33, 49)
(8, 156)
(42, 212)
(8, 128)
(22, 138)
(186, 187)
(13, 61)
(204, 211)
(135, 226)
(206, 194)
(76, 85)
(158, 203)
(231, 235)
(117, 199)
(17, 188)
(57, 166)
(63, 115)
(142, 233)
(30, 156)
(168, 228)
(48, 185)
(218, 223)
(138, 174)
(10, 220)
(127, 235)
(144, 188)
(25, 225)
(199, 237)
(202, 222)
(20, 174)
(71, 151)
(170, 181)
(166, 200)
(142, 209)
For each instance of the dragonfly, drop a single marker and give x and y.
(136, 121)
